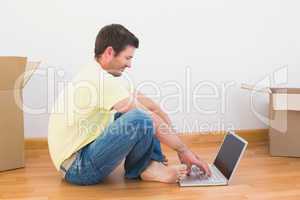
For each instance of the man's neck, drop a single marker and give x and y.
(101, 63)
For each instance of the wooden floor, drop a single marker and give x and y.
(258, 177)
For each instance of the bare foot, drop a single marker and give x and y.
(157, 171)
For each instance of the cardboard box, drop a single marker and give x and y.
(284, 120)
(15, 72)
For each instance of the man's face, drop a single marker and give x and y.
(117, 64)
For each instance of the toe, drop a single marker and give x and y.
(181, 177)
(183, 174)
(183, 168)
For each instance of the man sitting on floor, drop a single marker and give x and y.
(96, 122)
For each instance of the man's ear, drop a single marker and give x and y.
(110, 51)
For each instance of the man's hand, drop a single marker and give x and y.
(189, 158)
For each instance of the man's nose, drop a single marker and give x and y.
(129, 64)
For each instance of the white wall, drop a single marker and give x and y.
(217, 41)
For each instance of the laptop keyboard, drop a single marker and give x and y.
(215, 177)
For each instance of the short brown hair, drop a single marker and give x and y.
(116, 36)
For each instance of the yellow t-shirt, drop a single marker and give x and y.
(82, 111)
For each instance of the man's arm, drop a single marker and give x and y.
(150, 105)
(154, 107)
(163, 130)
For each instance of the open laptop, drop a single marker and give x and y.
(224, 166)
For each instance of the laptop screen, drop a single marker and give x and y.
(229, 154)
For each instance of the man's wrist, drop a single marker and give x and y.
(182, 148)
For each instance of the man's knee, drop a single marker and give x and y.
(142, 120)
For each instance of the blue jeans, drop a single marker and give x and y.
(130, 136)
